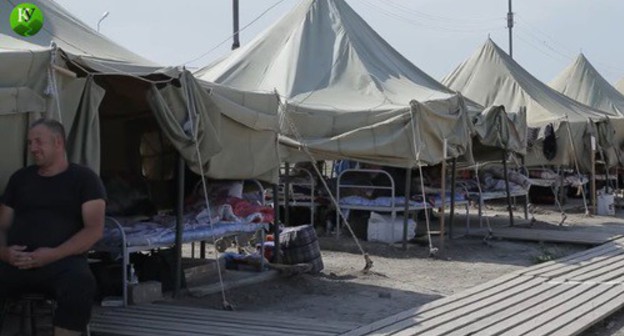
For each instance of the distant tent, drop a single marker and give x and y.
(582, 82)
(491, 77)
(348, 93)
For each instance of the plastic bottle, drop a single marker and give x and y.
(133, 279)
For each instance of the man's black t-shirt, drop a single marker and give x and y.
(48, 209)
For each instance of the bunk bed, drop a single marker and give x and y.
(367, 199)
(236, 217)
(302, 191)
(557, 181)
(491, 186)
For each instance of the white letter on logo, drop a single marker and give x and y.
(24, 14)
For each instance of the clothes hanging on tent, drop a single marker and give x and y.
(550, 143)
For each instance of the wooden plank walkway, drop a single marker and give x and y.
(561, 297)
(552, 236)
(173, 320)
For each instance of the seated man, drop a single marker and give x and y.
(52, 213)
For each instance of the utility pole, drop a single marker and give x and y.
(510, 24)
(104, 16)
(236, 42)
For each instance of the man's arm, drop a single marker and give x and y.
(6, 217)
(13, 255)
(93, 213)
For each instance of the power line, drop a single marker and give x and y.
(546, 45)
(602, 65)
(439, 27)
(438, 18)
(542, 45)
(235, 33)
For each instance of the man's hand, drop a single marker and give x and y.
(14, 255)
(38, 258)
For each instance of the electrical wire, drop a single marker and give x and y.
(400, 16)
(237, 32)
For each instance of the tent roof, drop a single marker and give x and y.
(582, 82)
(324, 54)
(348, 93)
(491, 77)
(70, 34)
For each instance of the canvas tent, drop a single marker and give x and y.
(582, 82)
(346, 91)
(126, 115)
(113, 84)
(491, 77)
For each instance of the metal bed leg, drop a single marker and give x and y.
(125, 259)
(312, 200)
(467, 218)
(262, 239)
(338, 213)
(481, 205)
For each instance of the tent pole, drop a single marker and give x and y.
(511, 219)
(443, 202)
(408, 193)
(526, 198)
(287, 194)
(452, 214)
(275, 226)
(593, 175)
(179, 227)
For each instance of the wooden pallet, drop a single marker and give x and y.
(562, 297)
(170, 320)
(553, 236)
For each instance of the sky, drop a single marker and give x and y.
(435, 35)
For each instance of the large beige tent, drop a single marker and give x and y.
(102, 93)
(582, 82)
(491, 77)
(346, 92)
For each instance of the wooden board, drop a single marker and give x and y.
(161, 319)
(199, 291)
(563, 297)
(553, 236)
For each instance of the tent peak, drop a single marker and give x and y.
(323, 53)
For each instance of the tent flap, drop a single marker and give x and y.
(83, 140)
(497, 128)
(171, 109)
(20, 100)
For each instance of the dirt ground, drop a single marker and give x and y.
(401, 280)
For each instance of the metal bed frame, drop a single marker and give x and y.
(393, 208)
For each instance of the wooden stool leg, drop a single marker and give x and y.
(33, 318)
(23, 316)
(4, 308)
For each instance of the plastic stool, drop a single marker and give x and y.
(28, 314)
